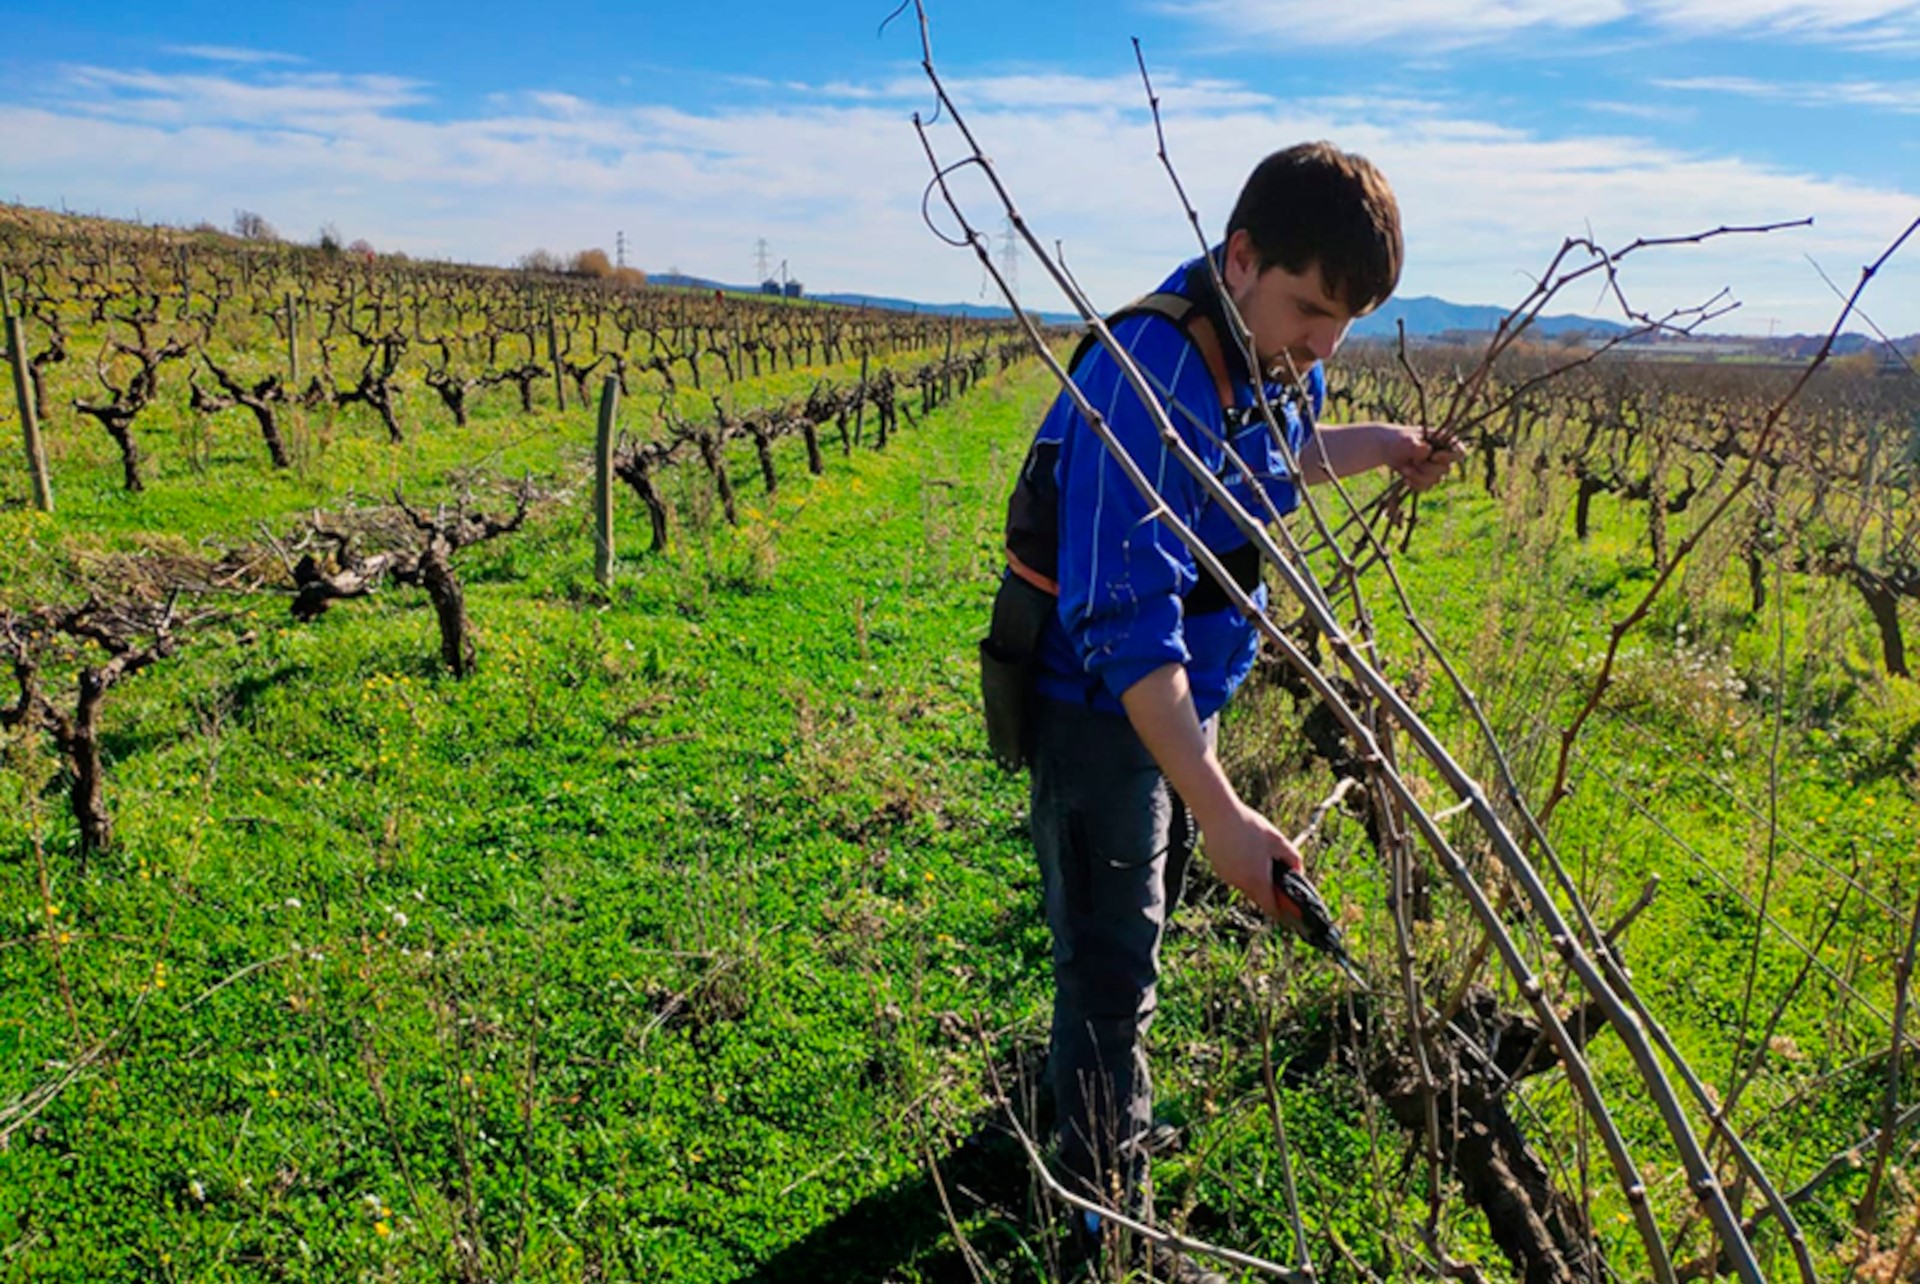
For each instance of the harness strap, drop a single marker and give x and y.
(1044, 583)
(1193, 322)
(1031, 508)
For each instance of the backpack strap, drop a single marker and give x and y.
(1032, 552)
(1192, 322)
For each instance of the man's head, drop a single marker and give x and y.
(1313, 242)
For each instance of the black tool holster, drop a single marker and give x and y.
(1009, 661)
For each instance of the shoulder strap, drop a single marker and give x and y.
(1192, 322)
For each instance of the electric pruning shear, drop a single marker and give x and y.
(1306, 915)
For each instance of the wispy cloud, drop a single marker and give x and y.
(833, 177)
(1457, 23)
(278, 98)
(1056, 91)
(1873, 94)
(230, 54)
(1639, 111)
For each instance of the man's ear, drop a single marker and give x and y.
(1243, 261)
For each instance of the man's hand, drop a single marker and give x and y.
(1419, 460)
(1241, 844)
(1242, 848)
(1414, 453)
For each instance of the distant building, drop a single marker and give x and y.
(770, 286)
(791, 289)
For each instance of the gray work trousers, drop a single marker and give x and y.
(1114, 844)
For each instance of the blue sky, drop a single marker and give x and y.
(484, 131)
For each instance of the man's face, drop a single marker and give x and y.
(1291, 315)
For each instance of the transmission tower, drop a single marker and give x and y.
(762, 259)
(619, 249)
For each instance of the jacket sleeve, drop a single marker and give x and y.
(1122, 572)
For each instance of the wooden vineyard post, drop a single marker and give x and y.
(293, 345)
(946, 366)
(23, 394)
(860, 400)
(553, 359)
(603, 482)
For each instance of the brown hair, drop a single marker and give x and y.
(1313, 203)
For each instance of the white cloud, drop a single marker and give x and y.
(1639, 111)
(1877, 95)
(834, 182)
(1863, 23)
(229, 53)
(279, 98)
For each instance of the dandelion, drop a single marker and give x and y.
(382, 1229)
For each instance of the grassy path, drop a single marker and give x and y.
(654, 950)
(637, 955)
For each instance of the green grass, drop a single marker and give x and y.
(657, 948)
(594, 957)
(1675, 779)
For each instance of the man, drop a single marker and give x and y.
(1143, 649)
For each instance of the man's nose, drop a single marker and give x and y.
(1326, 337)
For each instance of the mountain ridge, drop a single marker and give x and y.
(1427, 317)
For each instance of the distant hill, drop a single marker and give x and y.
(942, 309)
(1427, 316)
(863, 300)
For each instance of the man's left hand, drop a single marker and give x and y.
(1419, 459)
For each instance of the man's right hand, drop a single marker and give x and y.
(1241, 844)
(1242, 848)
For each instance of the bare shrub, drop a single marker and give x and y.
(594, 263)
(249, 226)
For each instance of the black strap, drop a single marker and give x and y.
(1161, 303)
(1032, 530)
(1205, 597)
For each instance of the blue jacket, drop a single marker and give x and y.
(1122, 573)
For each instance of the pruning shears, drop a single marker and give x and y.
(1306, 915)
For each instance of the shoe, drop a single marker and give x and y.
(1160, 1265)
(1162, 1138)
(1165, 1266)
(1165, 1138)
